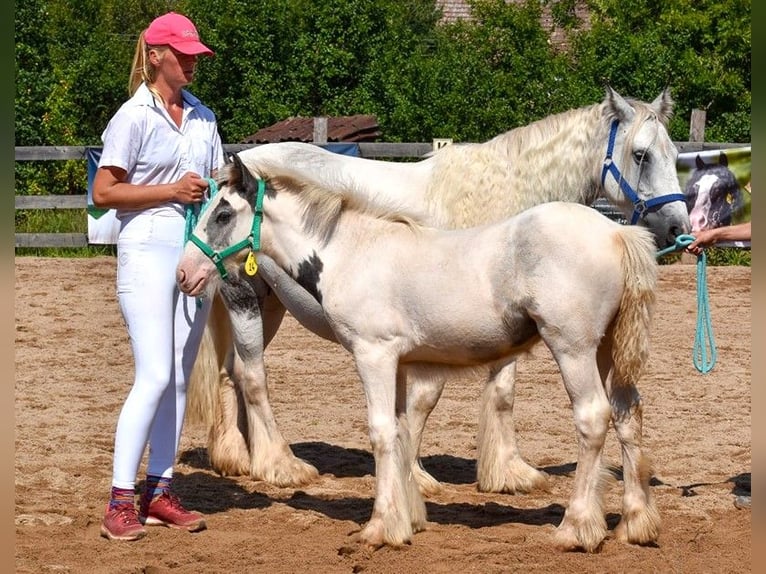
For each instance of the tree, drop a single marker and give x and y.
(468, 80)
(701, 48)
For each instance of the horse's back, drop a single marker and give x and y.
(571, 251)
(313, 164)
(566, 227)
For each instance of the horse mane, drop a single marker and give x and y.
(323, 204)
(524, 141)
(545, 158)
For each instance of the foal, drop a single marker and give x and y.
(560, 272)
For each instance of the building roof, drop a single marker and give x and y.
(453, 10)
(358, 128)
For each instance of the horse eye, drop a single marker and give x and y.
(223, 217)
(640, 156)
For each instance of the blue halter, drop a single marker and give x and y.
(640, 206)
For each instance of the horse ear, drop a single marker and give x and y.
(619, 106)
(663, 106)
(245, 179)
(723, 159)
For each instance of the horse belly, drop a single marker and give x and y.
(483, 339)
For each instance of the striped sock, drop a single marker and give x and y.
(121, 496)
(156, 485)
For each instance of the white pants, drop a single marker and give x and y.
(165, 328)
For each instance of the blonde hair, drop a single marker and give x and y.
(142, 70)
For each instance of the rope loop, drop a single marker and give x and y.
(704, 352)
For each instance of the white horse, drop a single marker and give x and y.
(618, 149)
(560, 272)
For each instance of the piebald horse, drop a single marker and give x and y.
(558, 272)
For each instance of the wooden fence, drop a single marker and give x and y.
(378, 150)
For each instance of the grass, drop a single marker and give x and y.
(57, 221)
(67, 252)
(716, 257)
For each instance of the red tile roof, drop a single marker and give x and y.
(358, 128)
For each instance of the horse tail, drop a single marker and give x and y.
(632, 324)
(202, 396)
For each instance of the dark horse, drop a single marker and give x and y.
(713, 194)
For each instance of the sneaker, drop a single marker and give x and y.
(742, 502)
(121, 523)
(166, 510)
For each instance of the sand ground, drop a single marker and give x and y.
(73, 370)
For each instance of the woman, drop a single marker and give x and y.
(158, 150)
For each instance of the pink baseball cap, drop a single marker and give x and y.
(178, 32)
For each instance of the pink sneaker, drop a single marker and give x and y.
(166, 510)
(121, 523)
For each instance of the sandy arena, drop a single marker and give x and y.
(74, 369)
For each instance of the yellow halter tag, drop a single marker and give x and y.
(251, 265)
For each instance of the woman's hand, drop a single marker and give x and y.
(191, 188)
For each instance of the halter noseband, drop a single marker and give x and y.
(640, 206)
(253, 240)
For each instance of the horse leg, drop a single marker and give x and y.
(423, 394)
(500, 467)
(584, 525)
(227, 429)
(256, 315)
(417, 506)
(640, 522)
(393, 519)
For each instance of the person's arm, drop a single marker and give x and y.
(708, 237)
(111, 191)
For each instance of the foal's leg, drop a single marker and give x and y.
(423, 394)
(500, 467)
(255, 315)
(584, 525)
(417, 507)
(226, 446)
(640, 522)
(399, 508)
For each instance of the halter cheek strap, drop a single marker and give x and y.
(640, 206)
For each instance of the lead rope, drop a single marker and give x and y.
(704, 353)
(192, 211)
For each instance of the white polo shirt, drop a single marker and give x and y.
(142, 139)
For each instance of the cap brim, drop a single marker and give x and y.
(192, 48)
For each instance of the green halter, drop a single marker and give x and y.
(253, 240)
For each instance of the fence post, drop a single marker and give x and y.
(697, 126)
(320, 130)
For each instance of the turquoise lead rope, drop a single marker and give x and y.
(704, 353)
(192, 211)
